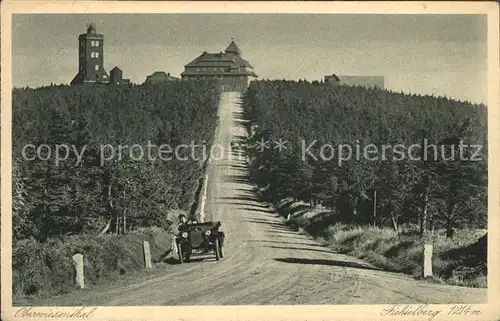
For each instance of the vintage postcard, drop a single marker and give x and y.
(249, 160)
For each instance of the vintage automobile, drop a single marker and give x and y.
(200, 239)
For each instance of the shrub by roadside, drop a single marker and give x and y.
(457, 261)
(44, 269)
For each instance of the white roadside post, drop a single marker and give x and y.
(203, 199)
(78, 272)
(427, 260)
(147, 255)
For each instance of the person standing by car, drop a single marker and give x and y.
(182, 221)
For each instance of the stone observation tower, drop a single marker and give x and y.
(90, 58)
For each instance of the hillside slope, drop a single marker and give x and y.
(265, 262)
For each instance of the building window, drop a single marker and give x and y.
(91, 55)
(197, 69)
(97, 55)
(104, 76)
(97, 43)
(96, 67)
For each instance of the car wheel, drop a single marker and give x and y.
(217, 250)
(179, 250)
(221, 251)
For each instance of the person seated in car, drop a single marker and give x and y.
(182, 221)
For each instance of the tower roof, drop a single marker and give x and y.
(91, 32)
(91, 28)
(233, 48)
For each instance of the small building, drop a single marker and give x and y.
(158, 77)
(332, 80)
(116, 77)
(90, 58)
(228, 68)
(363, 81)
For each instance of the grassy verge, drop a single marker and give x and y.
(457, 261)
(44, 269)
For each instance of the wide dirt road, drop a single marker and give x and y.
(265, 262)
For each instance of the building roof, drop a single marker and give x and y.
(159, 76)
(233, 48)
(226, 63)
(115, 68)
(91, 28)
(365, 81)
(334, 76)
(91, 32)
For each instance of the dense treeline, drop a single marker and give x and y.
(442, 187)
(97, 191)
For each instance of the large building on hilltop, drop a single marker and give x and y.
(90, 58)
(232, 72)
(363, 81)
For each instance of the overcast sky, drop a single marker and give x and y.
(427, 54)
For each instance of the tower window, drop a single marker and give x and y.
(97, 55)
(96, 67)
(97, 43)
(91, 55)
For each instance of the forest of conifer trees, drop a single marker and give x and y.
(430, 193)
(86, 195)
